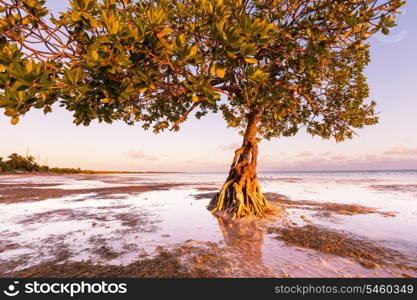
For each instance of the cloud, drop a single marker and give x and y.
(139, 154)
(136, 154)
(306, 153)
(398, 158)
(151, 157)
(229, 147)
(190, 161)
(385, 159)
(401, 150)
(363, 162)
(264, 157)
(371, 157)
(339, 157)
(328, 153)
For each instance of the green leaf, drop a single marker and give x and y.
(218, 69)
(220, 72)
(14, 120)
(47, 109)
(165, 31)
(94, 55)
(193, 51)
(251, 60)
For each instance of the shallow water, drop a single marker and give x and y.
(120, 228)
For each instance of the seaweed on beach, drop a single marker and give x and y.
(62, 214)
(326, 209)
(202, 196)
(181, 262)
(400, 188)
(13, 193)
(364, 251)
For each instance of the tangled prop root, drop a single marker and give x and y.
(241, 194)
(240, 199)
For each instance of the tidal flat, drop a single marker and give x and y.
(331, 224)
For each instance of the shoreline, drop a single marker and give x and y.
(86, 172)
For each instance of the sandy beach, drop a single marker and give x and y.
(349, 224)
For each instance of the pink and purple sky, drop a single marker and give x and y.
(207, 145)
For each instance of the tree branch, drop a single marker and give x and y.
(184, 116)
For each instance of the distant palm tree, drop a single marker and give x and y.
(14, 161)
(18, 162)
(31, 164)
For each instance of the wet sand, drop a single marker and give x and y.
(12, 193)
(157, 226)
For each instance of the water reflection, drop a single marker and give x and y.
(245, 236)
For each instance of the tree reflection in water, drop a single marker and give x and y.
(244, 238)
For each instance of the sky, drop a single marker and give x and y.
(207, 145)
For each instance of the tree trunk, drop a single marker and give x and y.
(241, 195)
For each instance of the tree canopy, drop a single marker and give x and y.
(299, 63)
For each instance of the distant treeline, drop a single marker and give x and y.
(18, 163)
